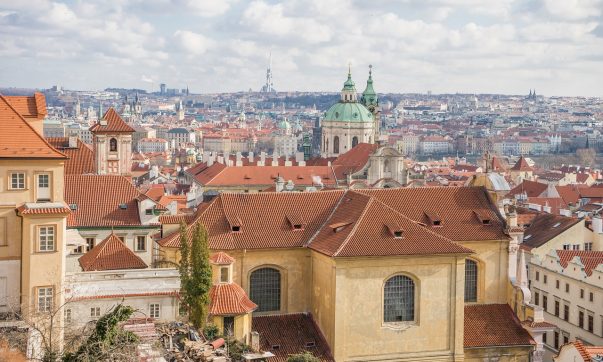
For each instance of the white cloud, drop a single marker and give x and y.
(191, 42)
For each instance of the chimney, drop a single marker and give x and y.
(250, 157)
(72, 142)
(274, 159)
(597, 224)
(512, 218)
(238, 160)
(262, 160)
(255, 341)
(280, 184)
(299, 157)
(220, 159)
(288, 161)
(546, 208)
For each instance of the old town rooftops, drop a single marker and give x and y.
(545, 227)
(590, 259)
(295, 220)
(30, 107)
(18, 139)
(81, 157)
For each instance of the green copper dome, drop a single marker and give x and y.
(348, 112)
(349, 84)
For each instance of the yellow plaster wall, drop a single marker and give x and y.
(500, 354)
(437, 334)
(493, 263)
(323, 294)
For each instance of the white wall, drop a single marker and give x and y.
(10, 282)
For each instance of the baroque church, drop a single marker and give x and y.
(349, 121)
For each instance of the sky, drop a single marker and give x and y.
(415, 46)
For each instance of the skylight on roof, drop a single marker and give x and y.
(527, 237)
(557, 225)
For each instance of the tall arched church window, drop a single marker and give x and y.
(399, 299)
(113, 145)
(336, 144)
(265, 289)
(470, 281)
(354, 141)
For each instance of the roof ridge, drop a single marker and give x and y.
(335, 207)
(356, 224)
(31, 127)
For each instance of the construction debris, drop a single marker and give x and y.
(183, 342)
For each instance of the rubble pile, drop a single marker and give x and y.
(183, 343)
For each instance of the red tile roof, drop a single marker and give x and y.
(590, 259)
(493, 325)
(98, 198)
(456, 206)
(80, 159)
(530, 188)
(265, 221)
(115, 124)
(18, 139)
(545, 227)
(221, 258)
(229, 299)
(111, 254)
(363, 218)
(355, 159)
(29, 106)
(588, 353)
(569, 194)
(28, 209)
(522, 165)
(292, 333)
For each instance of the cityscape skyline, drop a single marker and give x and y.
(503, 47)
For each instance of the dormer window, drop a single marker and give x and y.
(337, 227)
(483, 217)
(295, 220)
(398, 234)
(395, 230)
(73, 207)
(434, 218)
(235, 224)
(310, 344)
(235, 228)
(123, 206)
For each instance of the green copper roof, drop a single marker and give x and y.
(349, 84)
(369, 96)
(348, 112)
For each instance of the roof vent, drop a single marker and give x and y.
(337, 227)
(310, 344)
(123, 206)
(276, 347)
(434, 218)
(556, 225)
(73, 207)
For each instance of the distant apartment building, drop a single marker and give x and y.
(285, 145)
(178, 136)
(217, 143)
(147, 145)
(408, 144)
(53, 128)
(433, 145)
(142, 132)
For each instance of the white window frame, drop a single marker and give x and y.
(45, 297)
(222, 274)
(46, 239)
(155, 310)
(136, 246)
(95, 312)
(11, 185)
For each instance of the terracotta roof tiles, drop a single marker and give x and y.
(111, 254)
(43, 209)
(492, 325)
(29, 106)
(221, 258)
(545, 227)
(522, 165)
(18, 139)
(97, 200)
(291, 333)
(229, 299)
(80, 159)
(114, 124)
(590, 259)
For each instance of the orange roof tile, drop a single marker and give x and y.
(522, 165)
(114, 124)
(29, 106)
(221, 258)
(98, 198)
(80, 159)
(590, 259)
(545, 227)
(292, 333)
(530, 188)
(111, 254)
(493, 325)
(18, 139)
(43, 209)
(229, 299)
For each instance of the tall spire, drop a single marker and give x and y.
(369, 96)
(348, 93)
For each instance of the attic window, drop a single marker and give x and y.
(235, 224)
(337, 227)
(483, 217)
(295, 220)
(310, 344)
(395, 230)
(398, 234)
(73, 207)
(235, 228)
(123, 206)
(276, 347)
(434, 218)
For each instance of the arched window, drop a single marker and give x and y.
(399, 299)
(336, 144)
(265, 289)
(470, 281)
(113, 145)
(354, 141)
